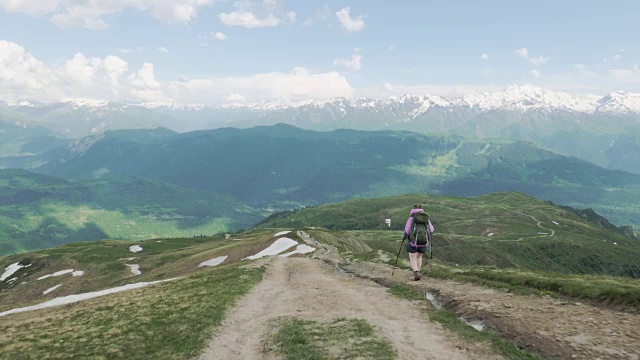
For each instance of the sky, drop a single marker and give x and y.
(216, 52)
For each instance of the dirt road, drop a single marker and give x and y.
(555, 328)
(311, 289)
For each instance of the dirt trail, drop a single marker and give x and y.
(554, 328)
(314, 290)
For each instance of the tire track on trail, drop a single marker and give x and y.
(313, 290)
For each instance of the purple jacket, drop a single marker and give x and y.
(407, 227)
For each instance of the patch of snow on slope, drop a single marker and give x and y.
(213, 262)
(50, 290)
(57, 273)
(10, 270)
(555, 222)
(135, 248)
(276, 248)
(300, 249)
(77, 273)
(135, 269)
(70, 299)
(281, 233)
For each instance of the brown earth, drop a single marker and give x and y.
(311, 289)
(554, 328)
(324, 287)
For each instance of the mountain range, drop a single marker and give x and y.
(604, 130)
(282, 167)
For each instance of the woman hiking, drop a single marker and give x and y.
(413, 248)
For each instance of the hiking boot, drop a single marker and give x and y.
(416, 275)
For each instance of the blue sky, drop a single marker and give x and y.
(277, 50)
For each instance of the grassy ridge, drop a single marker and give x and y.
(507, 230)
(598, 289)
(382, 246)
(169, 321)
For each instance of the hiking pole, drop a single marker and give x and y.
(397, 257)
(430, 251)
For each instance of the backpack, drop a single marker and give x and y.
(419, 233)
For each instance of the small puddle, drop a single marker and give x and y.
(476, 324)
(434, 300)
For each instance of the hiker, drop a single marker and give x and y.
(416, 247)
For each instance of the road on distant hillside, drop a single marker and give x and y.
(311, 289)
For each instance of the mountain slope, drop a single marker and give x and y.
(38, 211)
(587, 127)
(507, 230)
(21, 144)
(283, 167)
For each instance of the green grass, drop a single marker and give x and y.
(463, 226)
(615, 291)
(450, 321)
(298, 339)
(166, 321)
(104, 264)
(38, 211)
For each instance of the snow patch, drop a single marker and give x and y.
(214, 261)
(300, 249)
(135, 269)
(555, 222)
(11, 269)
(70, 299)
(57, 273)
(276, 248)
(490, 234)
(135, 248)
(50, 290)
(281, 233)
(77, 273)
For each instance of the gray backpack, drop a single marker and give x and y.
(419, 233)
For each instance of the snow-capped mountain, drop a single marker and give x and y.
(514, 98)
(514, 104)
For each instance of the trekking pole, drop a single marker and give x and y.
(397, 257)
(430, 251)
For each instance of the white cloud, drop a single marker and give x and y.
(484, 56)
(162, 49)
(355, 63)
(308, 22)
(324, 12)
(291, 16)
(298, 85)
(535, 73)
(219, 36)
(89, 13)
(349, 23)
(424, 89)
(626, 75)
(248, 19)
(129, 50)
(23, 76)
(524, 53)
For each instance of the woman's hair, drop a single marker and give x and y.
(417, 206)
